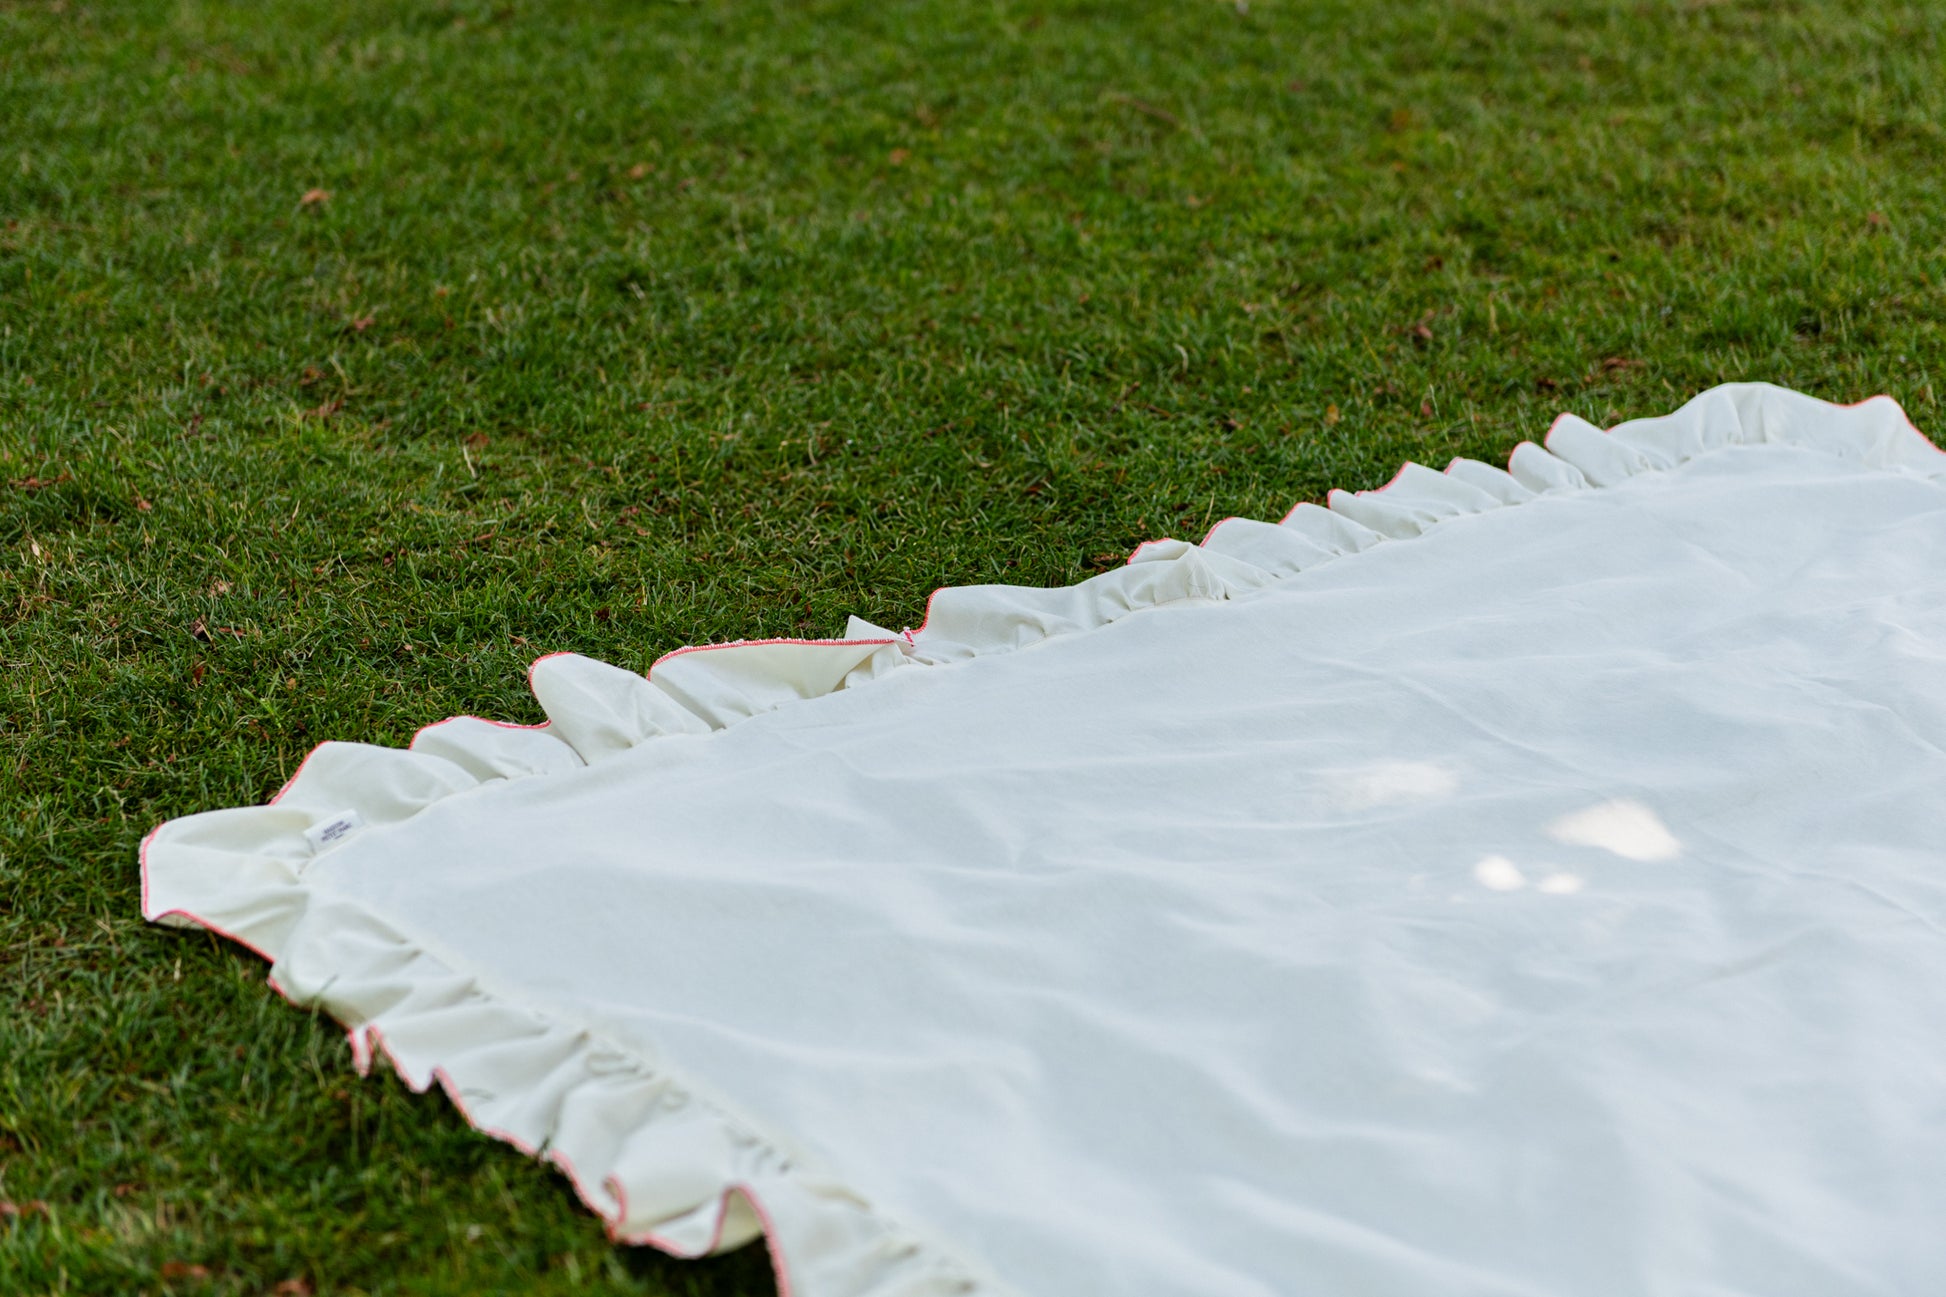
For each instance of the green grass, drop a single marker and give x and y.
(626, 326)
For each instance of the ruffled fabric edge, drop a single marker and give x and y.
(659, 1159)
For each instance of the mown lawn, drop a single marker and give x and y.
(353, 353)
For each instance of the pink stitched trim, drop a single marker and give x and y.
(764, 1220)
(364, 1038)
(565, 1165)
(278, 796)
(285, 787)
(1906, 418)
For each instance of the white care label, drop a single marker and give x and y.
(329, 832)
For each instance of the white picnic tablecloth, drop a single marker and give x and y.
(1504, 884)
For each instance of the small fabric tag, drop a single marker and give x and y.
(327, 832)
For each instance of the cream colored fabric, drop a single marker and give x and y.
(1507, 884)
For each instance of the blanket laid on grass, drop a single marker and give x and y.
(1502, 884)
